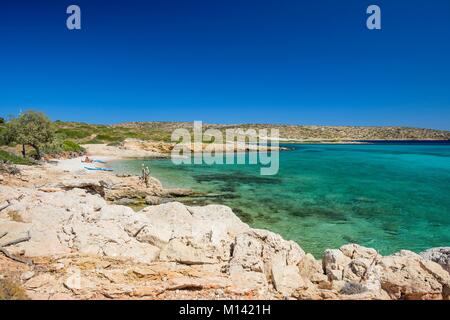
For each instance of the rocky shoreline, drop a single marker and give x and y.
(76, 242)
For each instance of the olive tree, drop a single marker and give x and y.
(31, 128)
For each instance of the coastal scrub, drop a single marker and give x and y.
(12, 158)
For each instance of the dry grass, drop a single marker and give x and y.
(10, 290)
(15, 216)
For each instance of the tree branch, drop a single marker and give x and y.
(18, 259)
(12, 257)
(17, 241)
(9, 202)
(5, 206)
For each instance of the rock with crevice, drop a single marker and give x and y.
(114, 189)
(311, 269)
(93, 186)
(439, 255)
(182, 251)
(406, 275)
(334, 263)
(355, 251)
(285, 278)
(190, 235)
(352, 270)
(261, 258)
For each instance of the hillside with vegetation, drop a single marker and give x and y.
(161, 131)
(32, 135)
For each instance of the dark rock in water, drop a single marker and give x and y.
(129, 202)
(240, 178)
(212, 195)
(228, 188)
(364, 200)
(317, 212)
(229, 196)
(348, 239)
(178, 192)
(268, 219)
(221, 196)
(189, 201)
(245, 217)
(390, 228)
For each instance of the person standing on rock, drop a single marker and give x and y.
(145, 175)
(141, 178)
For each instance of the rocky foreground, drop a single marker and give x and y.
(66, 239)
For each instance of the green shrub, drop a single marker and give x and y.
(107, 137)
(2, 136)
(94, 141)
(73, 134)
(114, 144)
(6, 137)
(59, 147)
(51, 149)
(71, 146)
(12, 158)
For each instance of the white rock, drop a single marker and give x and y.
(355, 251)
(76, 282)
(334, 262)
(261, 257)
(405, 275)
(27, 275)
(286, 278)
(179, 251)
(439, 255)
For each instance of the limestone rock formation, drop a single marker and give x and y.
(439, 255)
(261, 257)
(406, 275)
(173, 247)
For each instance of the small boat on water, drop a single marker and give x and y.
(98, 169)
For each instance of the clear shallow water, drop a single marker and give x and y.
(388, 197)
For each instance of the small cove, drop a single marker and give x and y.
(386, 196)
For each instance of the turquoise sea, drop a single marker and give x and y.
(385, 196)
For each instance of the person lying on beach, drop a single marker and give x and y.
(87, 160)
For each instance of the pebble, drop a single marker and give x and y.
(27, 275)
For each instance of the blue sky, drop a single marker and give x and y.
(229, 61)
